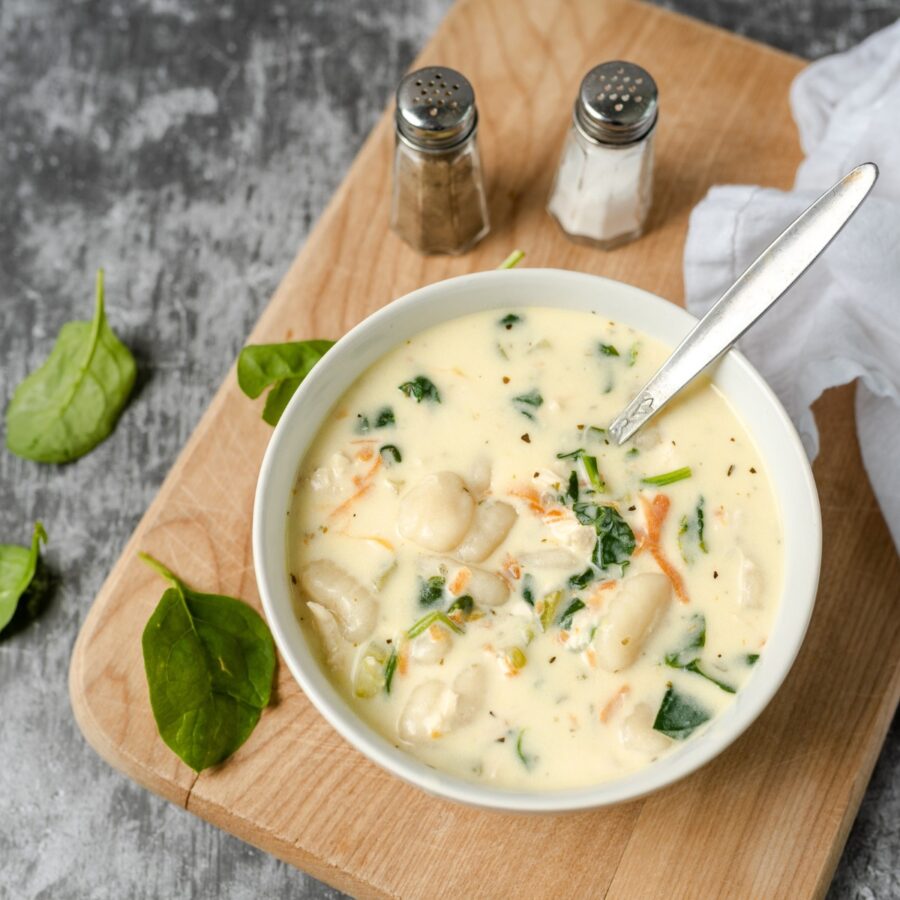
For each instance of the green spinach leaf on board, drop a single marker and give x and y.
(279, 366)
(210, 661)
(679, 715)
(17, 568)
(71, 403)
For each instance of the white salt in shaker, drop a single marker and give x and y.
(604, 182)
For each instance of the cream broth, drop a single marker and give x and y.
(499, 590)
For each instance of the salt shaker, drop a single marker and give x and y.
(438, 203)
(604, 182)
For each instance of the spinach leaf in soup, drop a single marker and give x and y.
(390, 455)
(279, 366)
(608, 350)
(688, 657)
(72, 402)
(431, 591)
(615, 539)
(210, 660)
(421, 389)
(17, 569)
(509, 320)
(679, 715)
(565, 621)
(691, 533)
(528, 403)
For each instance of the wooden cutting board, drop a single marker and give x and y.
(769, 817)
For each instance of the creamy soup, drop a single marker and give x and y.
(503, 593)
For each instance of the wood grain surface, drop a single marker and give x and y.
(769, 816)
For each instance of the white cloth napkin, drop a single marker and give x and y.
(841, 320)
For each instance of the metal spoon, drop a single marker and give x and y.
(767, 278)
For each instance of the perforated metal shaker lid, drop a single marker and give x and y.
(617, 103)
(435, 108)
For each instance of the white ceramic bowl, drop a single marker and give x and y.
(369, 341)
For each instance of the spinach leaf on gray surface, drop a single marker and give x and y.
(210, 660)
(17, 568)
(279, 366)
(71, 403)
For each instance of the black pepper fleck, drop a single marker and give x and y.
(730, 470)
(293, 578)
(552, 659)
(715, 574)
(752, 470)
(526, 437)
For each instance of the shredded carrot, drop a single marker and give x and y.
(555, 514)
(511, 570)
(435, 632)
(596, 597)
(531, 495)
(363, 484)
(403, 659)
(656, 513)
(365, 454)
(591, 656)
(458, 585)
(614, 703)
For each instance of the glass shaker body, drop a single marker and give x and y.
(438, 202)
(602, 192)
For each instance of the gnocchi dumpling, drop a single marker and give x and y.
(637, 732)
(633, 614)
(491, 523)
(434, 708)
(437, 512)
(352, 605)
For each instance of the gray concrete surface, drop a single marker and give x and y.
(189, 146)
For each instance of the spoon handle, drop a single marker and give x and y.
(766, 279)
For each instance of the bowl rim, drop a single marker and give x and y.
(358, 733)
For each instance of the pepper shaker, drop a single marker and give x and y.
(438, 203)
(604, 182)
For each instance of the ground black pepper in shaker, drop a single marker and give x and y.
(438, 203)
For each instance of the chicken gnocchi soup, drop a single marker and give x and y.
(503, 593)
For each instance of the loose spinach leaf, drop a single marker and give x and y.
(688, 657)
(17, 568)
(432, 590)
(694, 642)
(583, 579)
(464, 604)
(71, 403)
(565, 622)
(572, 490)
(532, 399)
(210, 661)
(421, 388)
(527, 759)
(528, 589)
(690, 533)
(390, 455)
(608, 350)
(384, 418)
(679, 715)
(615, 539)
(279, 366)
